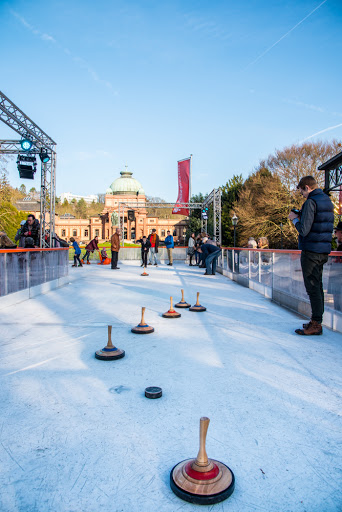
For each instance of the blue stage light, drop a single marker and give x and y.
(44, 156)
(26, 144)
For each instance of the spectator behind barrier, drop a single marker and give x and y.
(31, 229)
(29, 243)
(19, 237)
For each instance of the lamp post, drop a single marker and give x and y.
(281, 235)
(235, 220)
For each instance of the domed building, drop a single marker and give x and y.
(125, 197)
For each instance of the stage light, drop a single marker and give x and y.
(44, 156)
(26, 144)
(27, 166)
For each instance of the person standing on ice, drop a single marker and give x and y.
(91, 247)
(154, 239)
(169, 244)
(315, 224)
(145, 247)
(77, 252)
(115, 248)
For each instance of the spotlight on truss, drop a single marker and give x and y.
(44, 156)
(26, 144)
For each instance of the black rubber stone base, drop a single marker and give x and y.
(148, 331)
(111, 357)
(200, 499)
(153, 392)
(180, 305)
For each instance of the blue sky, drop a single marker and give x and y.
(148, 83)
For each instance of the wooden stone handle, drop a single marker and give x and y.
(182, 295)
(202, 457)
(197, 303)
(171, 304)
(142, 315)
(109, 344)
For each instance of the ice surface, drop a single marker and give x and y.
(78, 434)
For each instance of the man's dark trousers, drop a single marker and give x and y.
(115, 255)
(144, 257)
(312, 268)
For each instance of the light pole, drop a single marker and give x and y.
(235, 220)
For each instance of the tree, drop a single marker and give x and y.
(81, 209)
(33, 190)
(22, 189)
(230, 195)
(292, 163)
(194, 225)
(263, 204)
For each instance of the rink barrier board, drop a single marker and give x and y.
(25, 273)
(277, 275)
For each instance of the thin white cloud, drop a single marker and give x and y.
(78, 60)
(310, 106)
(285, 35)
(208, 28)
(321, 131)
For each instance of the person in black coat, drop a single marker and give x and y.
(31, 229)
(145, 247)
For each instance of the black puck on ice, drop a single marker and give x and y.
(153, 392)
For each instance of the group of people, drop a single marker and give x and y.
(27, 235)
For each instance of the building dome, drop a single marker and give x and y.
(126, 184)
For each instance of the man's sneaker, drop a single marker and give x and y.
(80, 265)
(305, 326)
(74, 265)
(314, 329)
(149, 263)
(156, 264)
(142, 265)
(82, 261)
(88, 262)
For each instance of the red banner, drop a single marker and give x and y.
(340, 202)
(183, 187)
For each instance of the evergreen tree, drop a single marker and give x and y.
(230, 195)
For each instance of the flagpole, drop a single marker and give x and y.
(190, 177)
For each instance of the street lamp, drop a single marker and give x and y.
(235, 220)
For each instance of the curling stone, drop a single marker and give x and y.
(202, 481)
(197, 307)
(142, 328)
(144, 273)
(171, 313)
(153, 392)
(109, 352)
(182, 303)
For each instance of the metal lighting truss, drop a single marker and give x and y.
(213, 198)
(333, 173)
(15, 118)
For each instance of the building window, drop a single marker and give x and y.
(151, 220)
(74, 232)
(97, 232)
(162, 232)
(86, 233)
(63, 232)
(141, 220)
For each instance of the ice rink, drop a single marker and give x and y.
(78, 434)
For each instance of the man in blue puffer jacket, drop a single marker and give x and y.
(315, 224)
(169, 246)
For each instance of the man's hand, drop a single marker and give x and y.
(293, 215)
(26, 233)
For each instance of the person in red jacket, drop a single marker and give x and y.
(91, 247)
